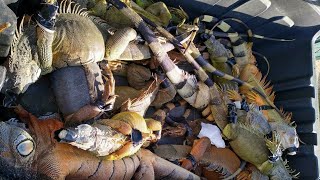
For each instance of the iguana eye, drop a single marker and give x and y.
(24, 145)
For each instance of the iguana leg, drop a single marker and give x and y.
(197, 151)
(232, 113)
(85, 113)
(45, 34)
(127, 150)
(120, 126)
(118, 42)
(105, 103)
(108, 97)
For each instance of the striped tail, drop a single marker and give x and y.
(161, 114)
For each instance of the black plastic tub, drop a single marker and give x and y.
(292, 69)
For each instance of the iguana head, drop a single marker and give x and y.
(21, 143)
(17, 147)
(288, 137)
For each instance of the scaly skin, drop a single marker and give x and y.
(112, 139)
(67, 50)
(211, 159)
(279, 121)
(248, 72)
(251, 173)
(140, 77)
(245, 60)
(71, 45)
(246, 138)
(73, 100)
(219, 57)
(217, 110)
(50, 159)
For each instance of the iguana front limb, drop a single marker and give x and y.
(196, 153)
(104, 99)
(120, 44)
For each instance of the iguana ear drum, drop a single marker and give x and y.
(25, 147)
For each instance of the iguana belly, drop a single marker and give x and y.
(250, 147)
(77, 41)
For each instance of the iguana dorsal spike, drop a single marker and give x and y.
(287, 116)
(16, 37)
(74, 9)
(265, 85)
(71, 8)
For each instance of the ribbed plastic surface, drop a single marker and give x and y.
(292, 71)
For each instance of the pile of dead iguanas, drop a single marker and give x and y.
(175, 79)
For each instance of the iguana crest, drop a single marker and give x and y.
(67, 7)
(263, 85)
(16, 38)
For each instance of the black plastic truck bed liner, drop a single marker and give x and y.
(292, 63)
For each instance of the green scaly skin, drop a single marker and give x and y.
(246, 138)
(278, 121)
(24, 64)
(219, 55)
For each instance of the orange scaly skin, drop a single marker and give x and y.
(252, 97)
(63, 161)
(197, 151)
